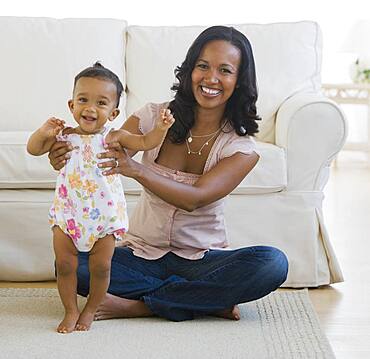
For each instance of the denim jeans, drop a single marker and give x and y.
(181, 289)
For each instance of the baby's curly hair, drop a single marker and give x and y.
(100, 72)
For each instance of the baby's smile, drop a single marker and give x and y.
(89, 118)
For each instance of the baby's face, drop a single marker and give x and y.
(93, 104)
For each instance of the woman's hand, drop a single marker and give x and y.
(119, 161)
(59, 154)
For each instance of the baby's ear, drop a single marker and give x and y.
(114, 114)
(70, 105)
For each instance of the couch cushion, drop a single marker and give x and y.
(270, 173)
(40, 58)
(21, 170)
(287, 56)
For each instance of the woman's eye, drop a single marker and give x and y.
(202, 66)
(226, 71)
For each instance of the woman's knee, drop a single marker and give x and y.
(277, 265)
(269, 261)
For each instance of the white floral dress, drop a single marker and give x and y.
(87, 205)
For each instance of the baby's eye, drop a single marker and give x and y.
(102, 103)
(82, 99)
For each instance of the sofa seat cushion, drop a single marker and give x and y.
(18, 168)
(270, 173)
(21, 170)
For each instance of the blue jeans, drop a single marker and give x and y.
(181, 289)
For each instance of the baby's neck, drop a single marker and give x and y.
(79, 131)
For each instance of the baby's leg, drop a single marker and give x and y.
(66, 263)
(99, 266)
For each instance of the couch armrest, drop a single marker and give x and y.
(312, 129)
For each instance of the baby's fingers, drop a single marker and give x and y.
(169, 120)
(56, 121)
(57, 129)
(165, 113)
(60, 123)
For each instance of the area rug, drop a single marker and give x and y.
(281, 325)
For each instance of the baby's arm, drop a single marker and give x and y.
(42, 139)
(144, 142)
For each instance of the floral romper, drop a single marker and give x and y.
(87, 205)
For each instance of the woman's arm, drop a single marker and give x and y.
(215, 184)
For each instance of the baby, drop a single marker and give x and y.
(89, 209)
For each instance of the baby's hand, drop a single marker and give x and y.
(52, 127)
(165, 120)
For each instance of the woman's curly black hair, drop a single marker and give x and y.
(240, 109)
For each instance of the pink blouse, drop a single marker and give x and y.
(157, 227)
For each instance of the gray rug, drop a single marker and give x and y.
(281, 325)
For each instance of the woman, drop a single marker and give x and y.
(174, 262)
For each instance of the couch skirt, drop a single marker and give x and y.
(290, 221)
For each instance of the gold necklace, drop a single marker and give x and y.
(190, 138)
(199, 152)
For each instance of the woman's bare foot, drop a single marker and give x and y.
(67, 325)
(117, 307)
(232, 313)
(85, 320)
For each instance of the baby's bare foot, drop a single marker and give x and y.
(232, 313)
(67, 325)
(116, 307)
(85, 320)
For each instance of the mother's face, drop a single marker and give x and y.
(215, 74)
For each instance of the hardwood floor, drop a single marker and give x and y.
(344, 308)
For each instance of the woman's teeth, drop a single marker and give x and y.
(209, 91)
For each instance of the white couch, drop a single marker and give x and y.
(279, 203)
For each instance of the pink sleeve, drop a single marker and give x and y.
(148, 115)
(242, 144)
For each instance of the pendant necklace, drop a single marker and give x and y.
(190, 139)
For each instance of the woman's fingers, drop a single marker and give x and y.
(60, 148)
(114, 150)
(107, 164)
(107, 154)
(59, 154)
(116, 155)
(115, 146)
(112, 171)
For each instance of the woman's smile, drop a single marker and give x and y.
(215, 74)
(210, 92)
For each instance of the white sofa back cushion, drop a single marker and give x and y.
(287, 57)
(40, 58)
